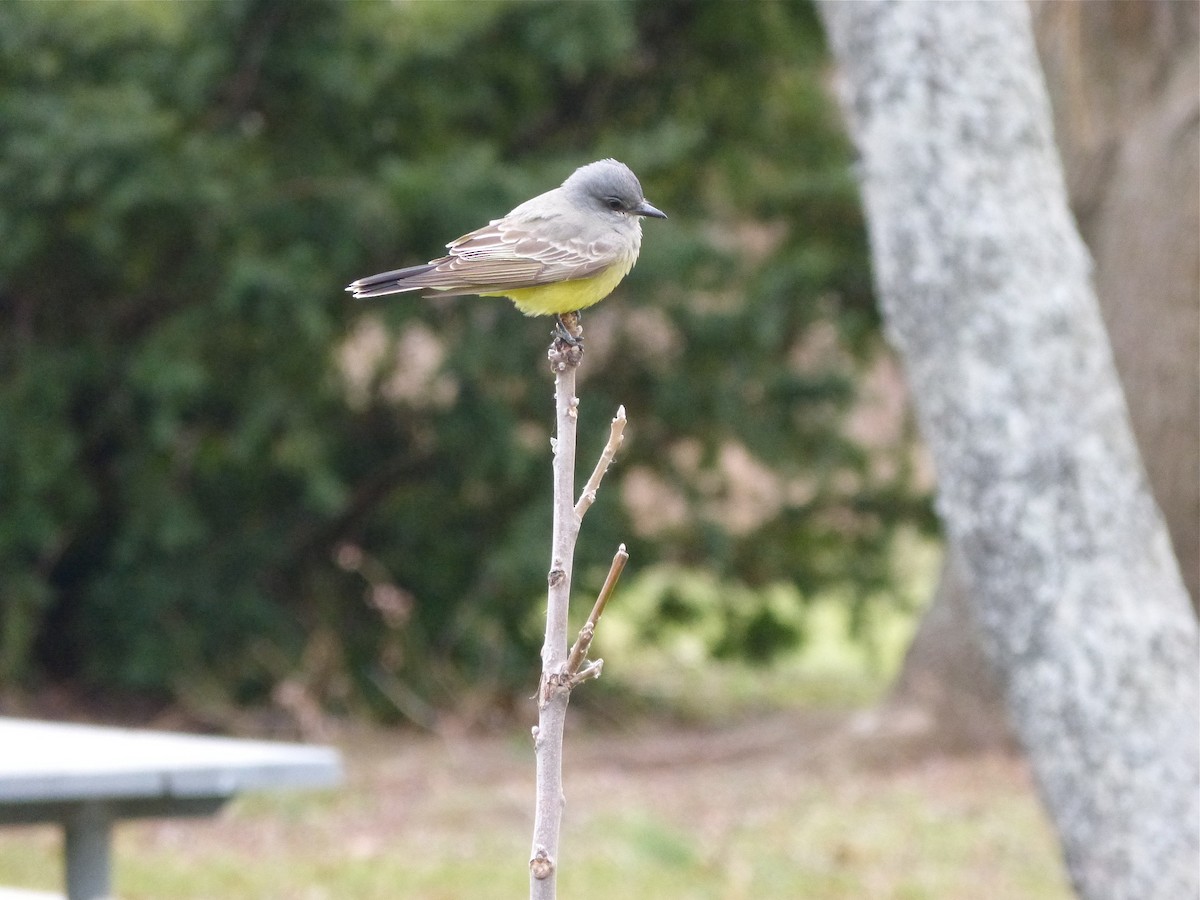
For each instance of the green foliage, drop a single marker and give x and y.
(215, 469)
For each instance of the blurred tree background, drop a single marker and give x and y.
(219, 474)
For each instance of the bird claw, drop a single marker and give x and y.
(564, 332)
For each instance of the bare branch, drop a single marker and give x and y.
(553, 694)
(616, 434)
(589, 672)
(584, 641)
(561, 671)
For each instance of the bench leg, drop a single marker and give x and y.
(87, 851)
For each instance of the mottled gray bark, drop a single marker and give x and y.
(947, 694)
(1122, 82)
(986, 294)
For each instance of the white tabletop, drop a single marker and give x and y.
(55, 762)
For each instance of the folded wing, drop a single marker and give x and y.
(503, 255)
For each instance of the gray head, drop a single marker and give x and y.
(612, 187)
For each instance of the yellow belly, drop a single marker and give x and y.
(566, 296)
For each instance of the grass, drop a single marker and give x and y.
(424, 819)
(751, 787)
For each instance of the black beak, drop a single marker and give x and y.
(645, 209)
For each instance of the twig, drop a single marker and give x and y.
(552, 698)
(588, 631)
(562, 671)
(616, 434)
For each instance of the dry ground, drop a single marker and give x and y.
(788, 805)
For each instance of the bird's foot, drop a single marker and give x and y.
(568, 328)
(566, 350)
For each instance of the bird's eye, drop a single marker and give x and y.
(613, 203)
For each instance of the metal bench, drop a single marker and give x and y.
(86, 778)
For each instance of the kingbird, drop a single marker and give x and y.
(558, 253)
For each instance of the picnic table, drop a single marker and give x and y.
(86, 778)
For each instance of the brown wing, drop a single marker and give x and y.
(507, 254)
(503, 255)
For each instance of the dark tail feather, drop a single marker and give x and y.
(394, 282)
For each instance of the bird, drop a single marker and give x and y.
(556, 254)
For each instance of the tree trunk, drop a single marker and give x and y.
(1123, 81)
(985, 290)
(1123, 86)
(951, 698)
